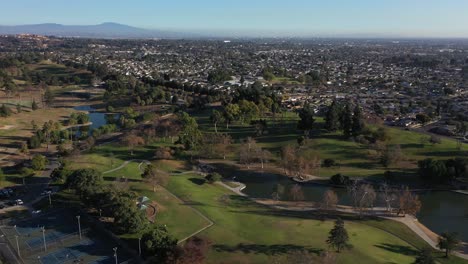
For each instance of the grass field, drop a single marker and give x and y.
(355, 159)
(245, 232)
(248, 233)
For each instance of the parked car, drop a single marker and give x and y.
(19, 202)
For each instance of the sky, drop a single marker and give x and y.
(405, 18)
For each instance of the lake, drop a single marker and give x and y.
(98, 119)
(442, 211)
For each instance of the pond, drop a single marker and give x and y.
(98, 119)
(442, 211)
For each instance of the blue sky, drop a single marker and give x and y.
(423, 18)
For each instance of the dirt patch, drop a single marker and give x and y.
(6, 127)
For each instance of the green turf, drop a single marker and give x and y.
(251, 233)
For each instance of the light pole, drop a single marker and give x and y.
(50, 200)
(139, 246)
(79, 225)
(43, 237)
(17, 246)
(115, 255)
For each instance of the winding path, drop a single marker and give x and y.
(210, 222)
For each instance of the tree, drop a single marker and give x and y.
(49, 97)
(190, 135)
(293, 164)
(332, 118)
(158, 244)
(339, 179)
(363, 196)
(213, 177)
(5, 111)
(409, 203)
(391, 155)
(194, 251)
(389, 196)
(131, 141)
(247, 111)
(154, 176)
(231, 113)
(34, 105)
(247, 151)
(358, 123)
(425, 257)
(2, 177)
(24, 148)
(216, 117)
(433, 170)
(338, 237)
(39, 162)
(82, 179)
(329, 200)
(423, 118)
(306, 122)
(347, 121)
(448, 242)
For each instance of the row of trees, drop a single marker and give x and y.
(346, 118)
(442, 171)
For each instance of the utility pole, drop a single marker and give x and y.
(139, 246)
(43, 237)
(115, 255)
(79, 225)
(17, 246)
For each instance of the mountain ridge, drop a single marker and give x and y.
(103, 30)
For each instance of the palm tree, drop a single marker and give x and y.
(449, 242)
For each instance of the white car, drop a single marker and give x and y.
(19, 202)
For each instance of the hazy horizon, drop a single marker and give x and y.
(294, 18)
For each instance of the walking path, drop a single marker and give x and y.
(210, 222)
(410, 221)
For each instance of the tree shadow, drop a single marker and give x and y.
(399, 249)
(269, 250)
(197, 181)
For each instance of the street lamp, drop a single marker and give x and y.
(17, 246)
(79, 225)
(43, 237)
(115, 255)
(139, 246)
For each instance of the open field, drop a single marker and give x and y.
(250, 233)
(354, 159)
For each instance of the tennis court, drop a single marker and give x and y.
(54, 238)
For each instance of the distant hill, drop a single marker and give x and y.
(104, 30)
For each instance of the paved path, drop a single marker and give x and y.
(237, 190)
(210, 222)
(410, 221)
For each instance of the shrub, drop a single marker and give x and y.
(213, 177)
(27, 172)
(329, 163)
(339, 179)
(38, 162)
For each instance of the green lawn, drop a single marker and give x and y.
(355, 159)
(245, 232)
